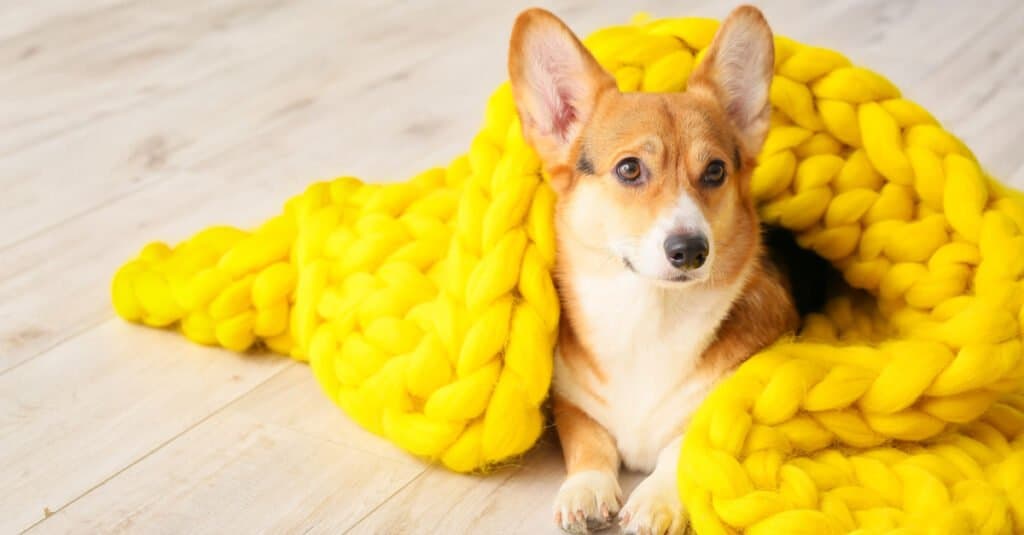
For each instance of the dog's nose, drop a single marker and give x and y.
(686, 251)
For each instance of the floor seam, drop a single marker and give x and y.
(57, 343)
(386, 500)
(160, 446)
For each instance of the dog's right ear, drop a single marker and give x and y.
(555, 83)
(738, 68)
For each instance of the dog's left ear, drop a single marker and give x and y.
(738, 69)
(555, 83)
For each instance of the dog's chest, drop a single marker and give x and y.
(648, 342)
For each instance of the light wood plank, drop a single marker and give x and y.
(161, 97)
(516, 499)
(512, 500)
(1017, 178)
(81, 413)
(26, 17)
(278, 460)
(981, 91)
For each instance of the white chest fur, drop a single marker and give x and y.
(648, 341)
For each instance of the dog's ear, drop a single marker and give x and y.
(555, 83)
(738, 68)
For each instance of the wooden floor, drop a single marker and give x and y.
(123, 121)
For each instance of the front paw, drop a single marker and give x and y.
(587, 501)
(654, 508)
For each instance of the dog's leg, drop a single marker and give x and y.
(590, 496)
(654, 507)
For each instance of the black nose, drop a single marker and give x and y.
(686, 251)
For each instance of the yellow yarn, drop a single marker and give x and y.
(427, 310)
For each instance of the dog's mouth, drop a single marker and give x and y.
(678, 278)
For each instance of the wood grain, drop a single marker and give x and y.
(81, 413)
(250, 468)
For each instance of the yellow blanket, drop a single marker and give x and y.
(427, 311)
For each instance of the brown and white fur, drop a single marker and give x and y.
(664, 282)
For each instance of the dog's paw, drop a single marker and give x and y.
(654, 508)
(587, 501)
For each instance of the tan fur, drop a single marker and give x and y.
(589, 370)
(626, 396)
(764, 311)
(585, 444)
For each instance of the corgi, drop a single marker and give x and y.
(665, 283)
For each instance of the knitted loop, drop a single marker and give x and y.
(427, 309)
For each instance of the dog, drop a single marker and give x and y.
(666, 285)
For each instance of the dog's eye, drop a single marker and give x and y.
(629, 171)
(714, 175)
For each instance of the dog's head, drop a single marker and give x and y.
(653, 183)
